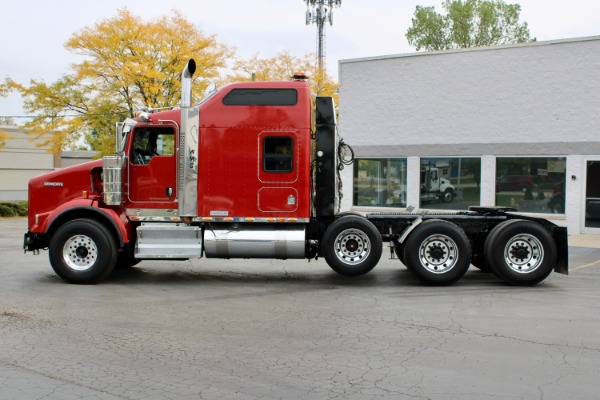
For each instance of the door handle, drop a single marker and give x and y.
(169, 191)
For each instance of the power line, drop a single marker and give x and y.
(59, 116)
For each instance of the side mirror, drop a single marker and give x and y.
(212, 86)
(119, 137)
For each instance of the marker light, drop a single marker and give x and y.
(299, 76)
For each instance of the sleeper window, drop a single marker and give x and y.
(278, 154)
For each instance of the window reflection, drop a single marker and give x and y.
(450, 183)
(531, 184)
(380, 182)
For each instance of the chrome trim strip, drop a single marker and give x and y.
(171, 215)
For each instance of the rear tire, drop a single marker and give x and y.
(352, 246)
(399, 251)
(520, 252)
(82, 251)
(438, 252)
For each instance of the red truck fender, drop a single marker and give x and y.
(115, 219)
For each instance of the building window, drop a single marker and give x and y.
(278, 154)
(380, 182)
(450, 183)
(531, 184)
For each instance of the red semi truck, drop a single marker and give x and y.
(253, 172)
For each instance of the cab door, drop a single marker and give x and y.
(152, 167)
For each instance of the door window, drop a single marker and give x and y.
(152, 142)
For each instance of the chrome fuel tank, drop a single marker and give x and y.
(255, 241)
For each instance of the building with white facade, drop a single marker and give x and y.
(21, 158)
(515, 126)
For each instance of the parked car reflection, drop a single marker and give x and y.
(514, 183)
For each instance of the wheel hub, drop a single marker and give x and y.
(438, 254)
(80, 252)
(524, 253)
(520, 252)
(352, 246)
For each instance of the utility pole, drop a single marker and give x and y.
(317, 13)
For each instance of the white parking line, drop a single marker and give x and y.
(587, 265)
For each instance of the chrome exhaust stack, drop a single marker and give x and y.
(188, 147)
(186, 84)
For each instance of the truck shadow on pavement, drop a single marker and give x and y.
(200, 276)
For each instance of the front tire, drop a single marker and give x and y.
(352, 246)
(82, 251)
(447, 196)
(520, 252)
(438, 252)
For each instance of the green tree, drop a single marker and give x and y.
(467, 23)
(128, 65)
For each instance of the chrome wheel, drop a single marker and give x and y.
(352, 246)
(524, 253)
(438, 254)
(80, 252)
(520, 252)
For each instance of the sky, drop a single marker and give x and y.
(33, 32)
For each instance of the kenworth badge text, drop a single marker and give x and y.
(253, 172)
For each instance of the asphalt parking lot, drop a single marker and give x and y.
(266, 329)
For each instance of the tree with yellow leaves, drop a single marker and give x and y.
(4, 136)
(128, 65)
(282, 67)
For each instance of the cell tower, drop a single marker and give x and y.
(317, 13)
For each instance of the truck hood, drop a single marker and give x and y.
(49, 190)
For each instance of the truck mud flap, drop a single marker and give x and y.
(562, 247)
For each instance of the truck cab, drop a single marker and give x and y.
(247, 152)
(249, 172)
(434, 187)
